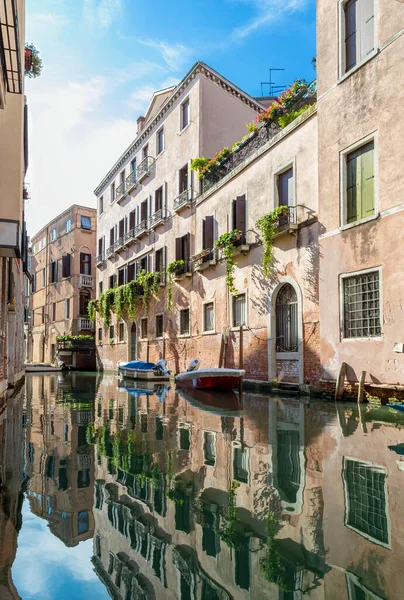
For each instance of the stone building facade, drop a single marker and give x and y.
(63, 282)
(13, 166)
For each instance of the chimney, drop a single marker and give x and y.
(140, 124)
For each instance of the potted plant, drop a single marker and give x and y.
(32, 62)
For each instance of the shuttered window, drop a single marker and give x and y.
(54, 271)
(159, 326)
(158, 199)
(143, 210)
(359, 20)
(85, 263)
(182, 247)
(360, 192)
(143, 327)
(66, 262)
(131, 272)
(239, 211)
(285, 187)
(208, 233)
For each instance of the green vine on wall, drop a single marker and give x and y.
(171, 270)
(267, 224)
(92, 307)
(226, 241)
(150, 284)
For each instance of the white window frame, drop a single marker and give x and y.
(141, 328)
(184, 335)
(247, 450)
(54, 234)
(204, 330)
(181, 127)
(372, 137)
(157, 141)
(343, 276)
(291, 164)
(112, 197)
(68, 225)
(342, 74)
(237, 327)
(158, 337)
(101, 205)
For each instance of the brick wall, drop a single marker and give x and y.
(287, 370)
(311, 353)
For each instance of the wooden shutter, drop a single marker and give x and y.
(207, 233)
(82, 262)
(186, 246)
(367, 181)
(351, 10)
(164, 258)
(352, 188)
(178, 249)
(367, 24)
(240, 213)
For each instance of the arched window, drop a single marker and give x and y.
(286, 319)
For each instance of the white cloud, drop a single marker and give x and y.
(175, 55)
(137, 70)
(268, 12)
(140, 98)
(102, 13)
(46, 20)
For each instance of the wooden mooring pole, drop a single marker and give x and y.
(361, 387)
(339, 388)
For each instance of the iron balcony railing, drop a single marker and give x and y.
(205, 259)
(100, 259)
(146, 167)
(120, 191)
(186, 198)
(111, 250)
(142, 228)
(120, 243)
(76, 345)
(84, 324)
(130, 236)
(131, 181)
(86, 281)
(183, 269)
(159, 216)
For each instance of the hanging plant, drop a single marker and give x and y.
(33, 62)
(267, 224)
(226, 241)
(132, 294)
(106, 305)
(92, 310)
(171, 270)
(119, 301)
(150, 285)
(272, 565)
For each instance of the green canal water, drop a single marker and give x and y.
(112, 491)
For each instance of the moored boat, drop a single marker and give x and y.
(44, 367)
(222, 403)
(145, 371)
(209, 379)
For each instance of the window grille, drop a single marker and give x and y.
(286, 319)
(362, 305)
(289, 471)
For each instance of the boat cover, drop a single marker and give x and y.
(140, 365)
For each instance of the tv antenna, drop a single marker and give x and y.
(274, 88)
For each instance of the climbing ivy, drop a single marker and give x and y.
(171, 270)
(150, 284)
(267, 224)
(226, 241)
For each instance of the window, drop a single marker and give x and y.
(100, 334)
(208, 316)
(43, 315)
(112, 192)
(240, 464)
(160, 140)
(111, 333)
(68, 225)
(366, 500)
(66, 265)
(100, 287)
(121, 276)
(286, 319)
(183, 179)
(159, 428)
(239, 310)
(43, 277)
(143, 328)
(133, 168)
(54, 234)
(84, 299)
(360, 189)
(144, 263)
(131, 272)
(83, 478)
(85, 263)
(183, 249)
(67, 308)
(159, 259)
(285, 188)
(358, 27)
(184, 321)
(101, 205)
(239, 213)
(208, 233)
(112, 236)
(83, 522)
(54, 312)
(100, 245)
(145, 151)
(209, 448)
(122, 179)
(33, 283)
(159, 326)
(184, 438)
(158, 199)
(121, 332)
(361, 305)
(85, 222)
(53, 271)
(184, 114)
(112, 281)
(121, 228)
(288, 464)
(144, 212)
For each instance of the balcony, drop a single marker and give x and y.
(120, 243)
(100, 260)
(185, 199)
(131, 182)
(241, 243)
(205, 259)
(130, 237)
(145, 168)
(120, 191)
(111, 251)
(75, 345)
(183, 271)
(84, 324)
(289, 222)
(86, 281)
(159, 217)
(142, 229)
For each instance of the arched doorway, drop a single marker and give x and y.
(133, 343)
(285, 349)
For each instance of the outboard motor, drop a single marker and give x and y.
(162, 367)
(194, 365)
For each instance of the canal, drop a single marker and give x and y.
(109, 491)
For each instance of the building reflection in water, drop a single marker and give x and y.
(59, 460)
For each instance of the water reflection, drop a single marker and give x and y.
(185, 499)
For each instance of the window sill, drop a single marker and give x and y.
(143, 339)
(86, 230)
(237, 327)
(360, 222)
(160, 153)
(209, 332)
(375, 338)
(184, 335)
(356, 68)
(185, 128)
(159, 337)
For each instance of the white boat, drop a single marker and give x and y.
(209, 379)
(145, 371)
(44, 367)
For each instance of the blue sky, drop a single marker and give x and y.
(104, 58)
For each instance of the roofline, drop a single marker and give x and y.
(73, 206)
(198, 67)
(155, 94)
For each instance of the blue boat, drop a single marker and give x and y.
(399, 407)
(144, 371)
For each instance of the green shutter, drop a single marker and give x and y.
(352, 187)
(367, 181)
